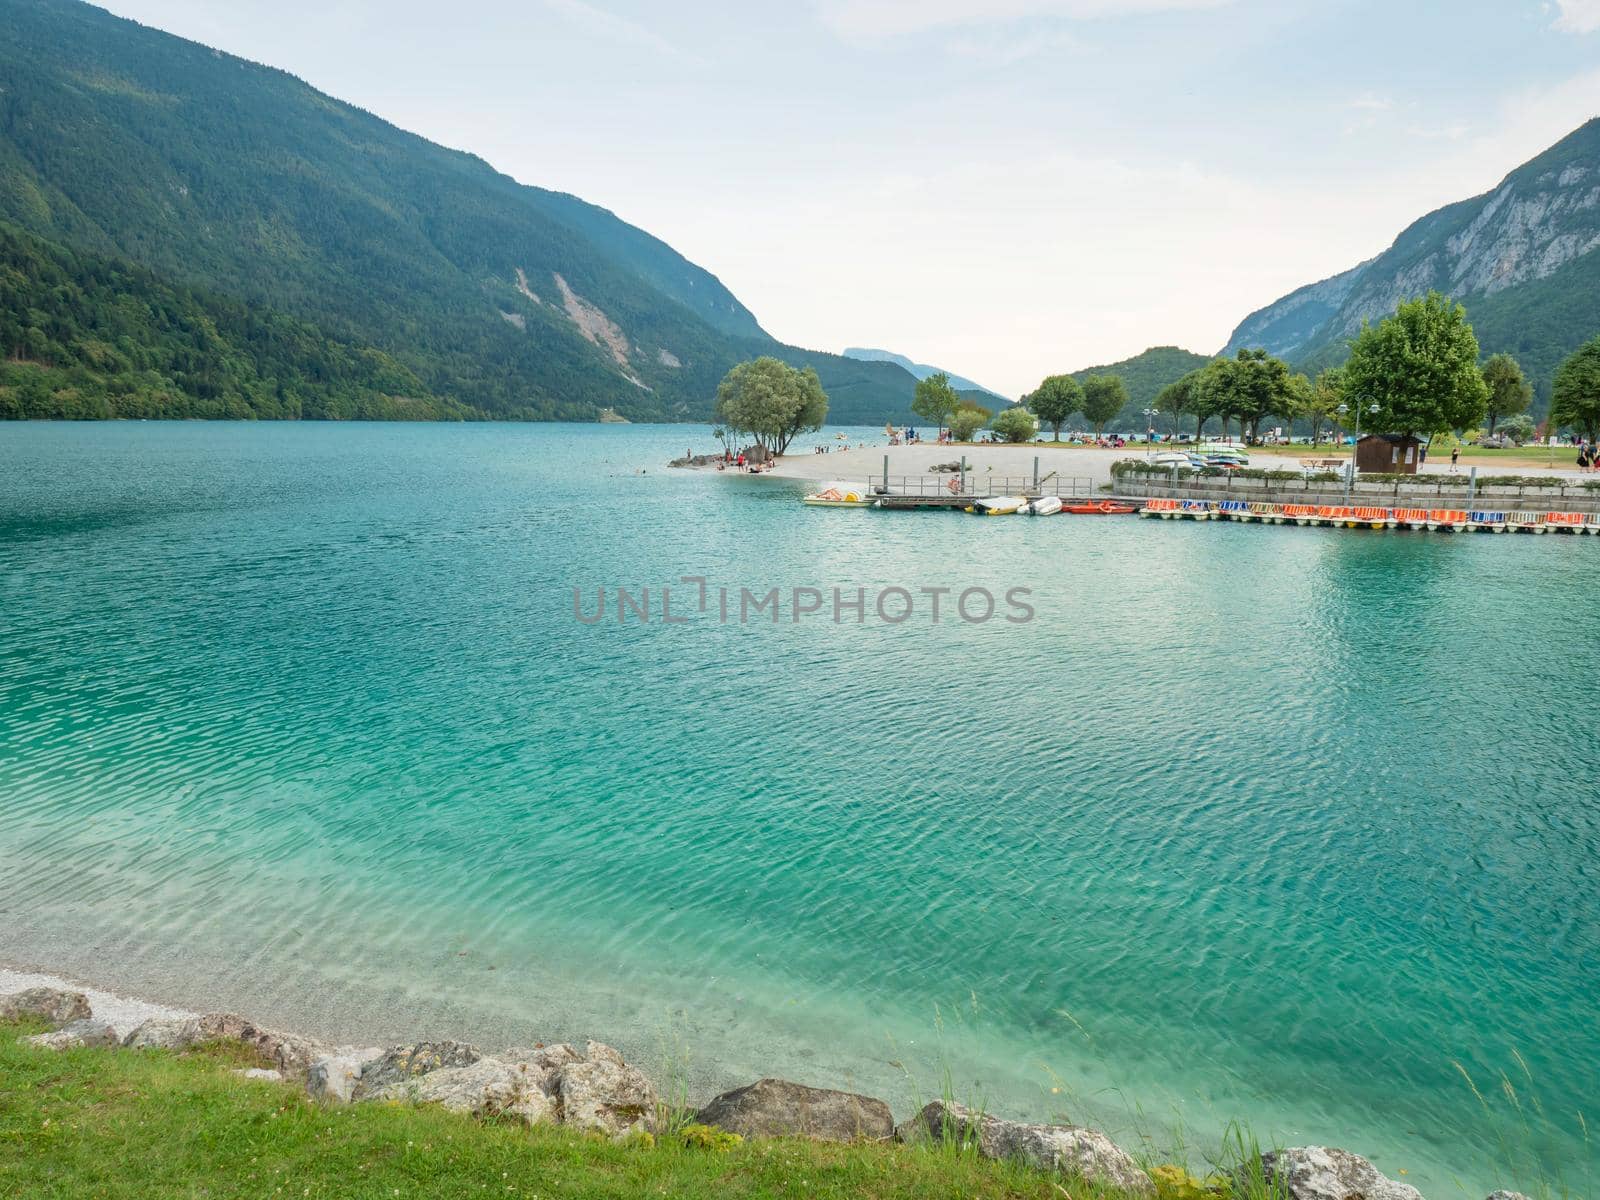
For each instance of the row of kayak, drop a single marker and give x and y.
(1441, 520)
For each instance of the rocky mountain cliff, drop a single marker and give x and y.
(1520, 257)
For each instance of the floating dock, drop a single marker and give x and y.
(1434, 520)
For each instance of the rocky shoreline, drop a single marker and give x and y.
(594, 1090)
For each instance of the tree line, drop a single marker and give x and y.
(1415, 373)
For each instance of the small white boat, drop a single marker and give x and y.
(999, 506)
(839, 495)
(1044, 506)
(1169, 458)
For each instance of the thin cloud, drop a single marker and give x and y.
(1577, 16)
(992, 49)
(609, 25)
(864, 20)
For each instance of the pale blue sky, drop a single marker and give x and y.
(1007, 188)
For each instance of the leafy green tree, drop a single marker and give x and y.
(1054, 401)
(1518, 428)
(1322, 401)
(967, 419)
(1509, 392)
(1015, 424)
(935, 399)
(1252, 386)
(1103, 398)
(1575, 403)
(1420, 367)
(771, 401)
(1178, 398)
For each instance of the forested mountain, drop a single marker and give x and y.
(1521, 258)
(1144, 375)
(93, 337)
(922, 370)
(236, 184)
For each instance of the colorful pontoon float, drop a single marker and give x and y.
(1338, 516)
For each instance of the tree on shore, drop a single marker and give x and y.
(1178, 398)
(1252, 386)
(1420, 367)
(1015, 424)
(967, 419)
(1103, 398)
(771, 401)
(1575, 403)
(1322, 401)
(934, 399)
(1054, 401)
(1509, 392)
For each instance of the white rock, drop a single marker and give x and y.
(55, 1005)
(1327, 1173)
(606, 1095)
(403, 1064)
(266, 1074)
(164, 1033)
(78, 1033)
(486, 1088)
(1085, 1153)
(333, 1077)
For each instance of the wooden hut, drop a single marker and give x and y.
(1388, 454)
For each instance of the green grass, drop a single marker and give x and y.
(152, 1124)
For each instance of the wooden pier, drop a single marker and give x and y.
(961, 488)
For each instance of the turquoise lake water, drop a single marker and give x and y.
(1299, 827)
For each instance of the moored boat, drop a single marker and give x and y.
(1564, 522)
(1099, 508)
(1044, 506)
(1482, 521)
(838, 495)
(1411, 518)
(1446, 520)
(999, 506)
(1159, 508)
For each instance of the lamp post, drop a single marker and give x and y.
(1373, 409)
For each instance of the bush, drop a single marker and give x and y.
(1015, 424)
(708, 1137)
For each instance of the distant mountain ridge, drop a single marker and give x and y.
(919, 370)
(1521, 258)
(236, 180)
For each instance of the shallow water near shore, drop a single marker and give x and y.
(1295, 827)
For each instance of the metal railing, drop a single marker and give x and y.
(975, 484)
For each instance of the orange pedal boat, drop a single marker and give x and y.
(1099, 508)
